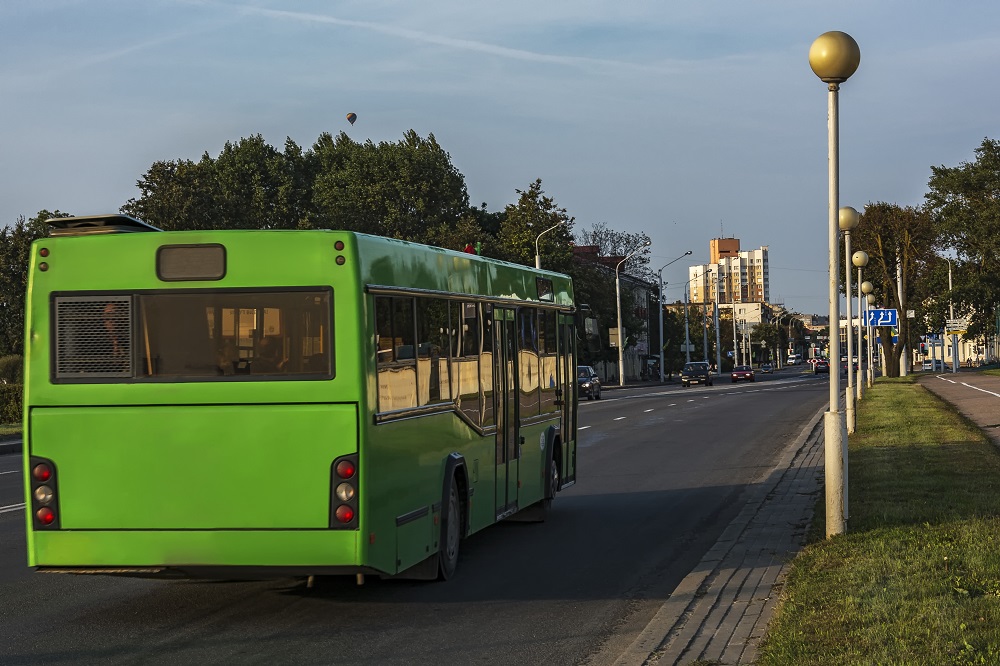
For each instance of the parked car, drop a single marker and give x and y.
(934, 364)
(588, 383)
(821, 365)
(742, 373)
(766, 368)
(696, 372)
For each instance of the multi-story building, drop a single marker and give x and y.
(733, 276)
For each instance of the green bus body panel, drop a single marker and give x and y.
(166, 548)
(195, 467)
(217, 473)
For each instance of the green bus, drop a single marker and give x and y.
(227, 403)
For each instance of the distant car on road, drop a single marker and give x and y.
(933, 364)
(766, 368)
(742, 373)
(588, 382)
(696, 372)
(821, 365)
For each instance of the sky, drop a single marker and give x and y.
(684, 120)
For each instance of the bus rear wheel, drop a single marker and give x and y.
(451, 535)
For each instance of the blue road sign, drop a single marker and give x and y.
(882, 318)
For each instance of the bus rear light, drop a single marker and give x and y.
(338, 246)
(43, 495)
(41, 472)
(44, 252)
(346, 469)
(344, 493)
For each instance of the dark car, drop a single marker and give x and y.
(588, 382)
(696, 372)
(742, 373)
(767, 368)
(821, 365)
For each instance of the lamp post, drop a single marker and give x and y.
(538, 257)
(859, 259)
(834, 56)
(618, 294)
(847, 221)
(715, 314)
(687, 329)
(867, 288)
(951, 315)
(659, 310)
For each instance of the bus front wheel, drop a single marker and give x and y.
(451, 535)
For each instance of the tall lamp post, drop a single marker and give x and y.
(867, 288)
(834, 56)
(951, 315)
(860, 259)
(538, 257)
(848, 221)
(659, 310)
(618, 294)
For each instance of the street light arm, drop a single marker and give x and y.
(538, 257)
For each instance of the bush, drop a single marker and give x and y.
(10, 403)
(11, 369)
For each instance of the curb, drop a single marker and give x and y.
(10, 446)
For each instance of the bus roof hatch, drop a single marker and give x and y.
(96, 224)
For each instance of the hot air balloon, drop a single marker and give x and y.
(351, 117)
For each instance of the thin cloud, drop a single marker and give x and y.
(448, 42)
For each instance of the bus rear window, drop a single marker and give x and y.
(197, 336)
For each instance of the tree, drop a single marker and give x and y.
(524, 221)
(964, 202)
(903, 239)
(15, 257)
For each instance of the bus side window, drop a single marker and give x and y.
(465, 359)
(397, 371)
(486, 365)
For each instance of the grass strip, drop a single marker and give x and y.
(916, 580)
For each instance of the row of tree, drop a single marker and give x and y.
(411, 190)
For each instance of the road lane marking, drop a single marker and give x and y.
(16, 471)
(11, 507)
(646, 411)
(582, 427)
(673, 404)
(620, 418)
(979, 389)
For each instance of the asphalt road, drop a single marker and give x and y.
(662, 472)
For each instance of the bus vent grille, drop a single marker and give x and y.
(93, 336)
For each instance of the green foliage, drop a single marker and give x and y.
(10, 403)
(11, 369)
(523, 222)
(889, 233)
(15, 252)
(965, 204)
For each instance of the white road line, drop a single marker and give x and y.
(11, 507)
(646, 411)
(979, 389)
(620, 418)
(673, 404)
(16, 471)
(582, 427)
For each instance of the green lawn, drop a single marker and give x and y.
(10, 429)
(917, 578)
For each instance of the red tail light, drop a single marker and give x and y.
(344, 492)
(41, 472)
(344, 513)
(45, 515)
(44, 493)
(346, 469)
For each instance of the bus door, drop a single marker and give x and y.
(568, 387)
(505, 392)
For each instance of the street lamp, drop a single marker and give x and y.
(834, 56)
(538, 257)
(618, 294)
(847, 221)
(951, 315)
(659, 310)
(867, 288)
(859, 259)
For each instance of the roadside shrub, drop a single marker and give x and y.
(10, 403)
(11, 369)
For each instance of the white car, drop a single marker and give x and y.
(934, 364)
